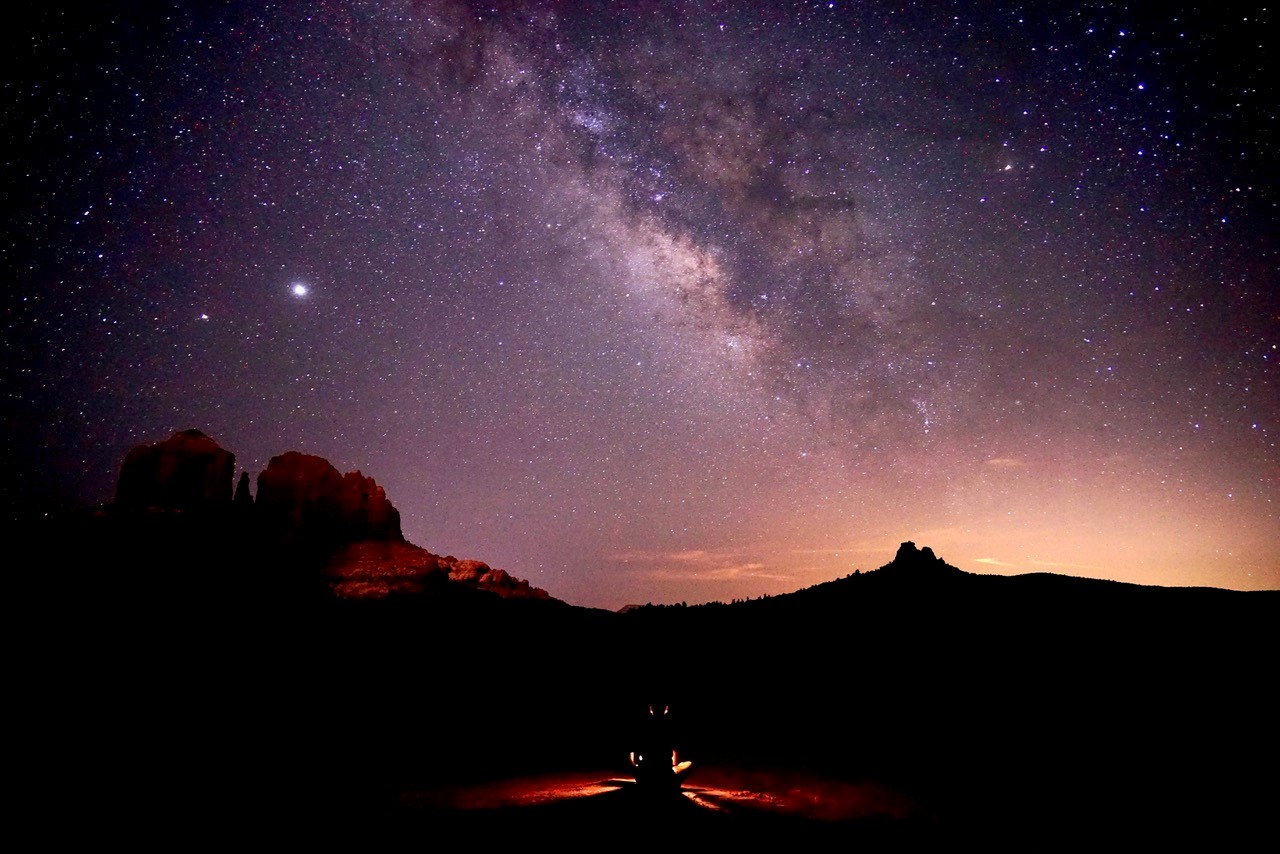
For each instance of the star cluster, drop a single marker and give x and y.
(669, 302)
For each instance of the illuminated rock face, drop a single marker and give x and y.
(303, 499)
(188, 471)
(375, 569)
(479, 574)
(371, 569)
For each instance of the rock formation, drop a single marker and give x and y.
(373, 569)
(188, 471)
(376, 569)
(919, 562)
(243, 500)
(480, 575)
(302, 499)
(341, 527)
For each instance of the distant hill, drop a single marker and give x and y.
(1036, 707)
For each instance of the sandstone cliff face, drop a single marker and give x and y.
(187, 471)
(303, 499)
(371, 569)
(479, 574)
(374, 569)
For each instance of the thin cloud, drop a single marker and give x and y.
(698, 565)
(689, 557)
(1035, 562)
(714, 573)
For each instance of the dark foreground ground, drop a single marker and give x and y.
(178, 698)
(760, 810)
(735, 808)
(601, 825)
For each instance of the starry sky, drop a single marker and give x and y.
(662, 302)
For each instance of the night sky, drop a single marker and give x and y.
(650, 302)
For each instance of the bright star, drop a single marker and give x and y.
(299, 289)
